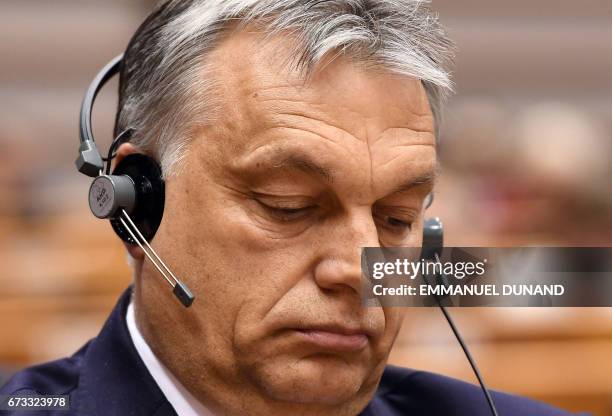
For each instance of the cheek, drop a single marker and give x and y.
(236, 274)
(234, 263)
(394, 317)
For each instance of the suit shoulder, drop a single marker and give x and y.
(54, 377)
(428, 393)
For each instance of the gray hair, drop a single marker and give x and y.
(164, 94)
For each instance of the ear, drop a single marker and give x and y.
(135, 251)
(124, 150)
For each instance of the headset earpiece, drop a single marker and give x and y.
(149, 191)
(136, 186)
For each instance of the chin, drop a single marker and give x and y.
(323, 379)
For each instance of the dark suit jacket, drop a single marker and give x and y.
(107, 377)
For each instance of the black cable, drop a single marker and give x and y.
(123, 137)
(465, 349)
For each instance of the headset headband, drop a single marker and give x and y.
(90, 161)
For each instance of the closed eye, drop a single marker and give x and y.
(393, 224)
(395, 221)
(287, 214)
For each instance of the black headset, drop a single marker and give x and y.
(133, 197)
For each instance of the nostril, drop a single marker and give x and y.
(337, 274)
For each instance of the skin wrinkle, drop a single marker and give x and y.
(278, 158)
(421, 134)
(276, 147)
(398, 156)
(327, 124)
(318, 117)
(428, 180)
(256, 278)
(305, 165)
(371, 164)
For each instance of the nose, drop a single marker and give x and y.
(339, 267)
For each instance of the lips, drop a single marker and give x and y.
(334, 338)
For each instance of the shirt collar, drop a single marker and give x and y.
(183, 402)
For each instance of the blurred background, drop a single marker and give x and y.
(526, 161)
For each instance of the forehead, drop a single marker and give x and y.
(269, 107)
(253, 68)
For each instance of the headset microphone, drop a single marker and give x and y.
(133, 196)
(433, 244)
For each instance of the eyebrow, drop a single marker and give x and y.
(305, 163)
(427, 178)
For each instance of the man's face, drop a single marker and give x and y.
(266, 223)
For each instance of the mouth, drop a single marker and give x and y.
(338, 339)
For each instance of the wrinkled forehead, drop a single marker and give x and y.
(270, 107)
(259, 77)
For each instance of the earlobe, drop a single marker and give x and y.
(135, 251)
